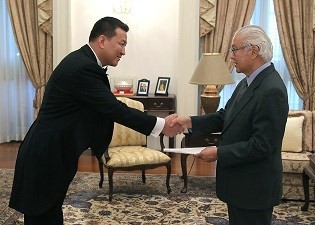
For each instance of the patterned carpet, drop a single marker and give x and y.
(135, 203)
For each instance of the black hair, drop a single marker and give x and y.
(107, 26)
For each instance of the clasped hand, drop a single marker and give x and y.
(175, 124)
(172, 128)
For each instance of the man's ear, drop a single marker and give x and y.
(102, 41)
(255, 50)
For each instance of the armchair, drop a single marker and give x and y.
(128, 151)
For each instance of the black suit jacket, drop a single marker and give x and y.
(249, 166)
(78, 112)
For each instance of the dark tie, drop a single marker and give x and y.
(239, 95)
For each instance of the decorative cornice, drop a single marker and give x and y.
(207, 16)
(45, 15)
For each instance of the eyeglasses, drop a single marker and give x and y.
(233, 50)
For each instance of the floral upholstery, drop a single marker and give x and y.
(294, 163)
(126, 148)
(122, 135)
(125, 156)
(128, 151)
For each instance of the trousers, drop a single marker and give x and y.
(239, 216)
(53, 216)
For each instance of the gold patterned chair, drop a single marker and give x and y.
(128, 151)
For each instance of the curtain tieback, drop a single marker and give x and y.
(310, 94)
(38, 90)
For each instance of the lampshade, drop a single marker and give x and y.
(211, 71)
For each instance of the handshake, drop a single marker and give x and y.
(175, 124)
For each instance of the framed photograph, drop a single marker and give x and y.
(162, 86)
(143, 87)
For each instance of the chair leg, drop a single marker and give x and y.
(100, 167)
(110, 182)
(143, 176)
(168, 176)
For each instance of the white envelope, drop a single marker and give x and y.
(189, 151)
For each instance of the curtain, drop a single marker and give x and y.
(295, 24)
(16, 90)
(32, 25)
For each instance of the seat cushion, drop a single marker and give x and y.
(294, 162)
(127, 156)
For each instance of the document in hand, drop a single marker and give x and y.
(189, 151)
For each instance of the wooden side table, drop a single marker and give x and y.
(189, 141)
(307, 174)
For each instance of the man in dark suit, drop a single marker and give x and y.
(78, 112)
(249, 166)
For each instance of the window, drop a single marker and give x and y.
(16, 90)
(264, 16)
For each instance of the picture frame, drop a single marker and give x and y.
(162, 85)
(143, 87)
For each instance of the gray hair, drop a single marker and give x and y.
(255, 35)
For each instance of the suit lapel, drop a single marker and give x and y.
(247, 96)
(240, 105)
(91, 55)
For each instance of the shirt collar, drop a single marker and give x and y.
(256, 72)
(97, 59)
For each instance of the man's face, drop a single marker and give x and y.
(113, 48)
(241, 56)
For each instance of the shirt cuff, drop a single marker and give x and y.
(160, 122)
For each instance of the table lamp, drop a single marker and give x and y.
(211, 71)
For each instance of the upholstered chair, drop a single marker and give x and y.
(128, 151)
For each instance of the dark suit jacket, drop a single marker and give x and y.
(78, 112)
(249, 166)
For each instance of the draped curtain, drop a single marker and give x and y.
(32, 25)
(295, 25)
(16, 90)
(216, 34)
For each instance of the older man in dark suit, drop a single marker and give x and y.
(249, 166)
(78, 112)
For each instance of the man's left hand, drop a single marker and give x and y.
(208, 154)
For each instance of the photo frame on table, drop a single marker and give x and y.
(162, 85)
(143, 87)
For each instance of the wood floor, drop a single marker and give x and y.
(88, 163)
